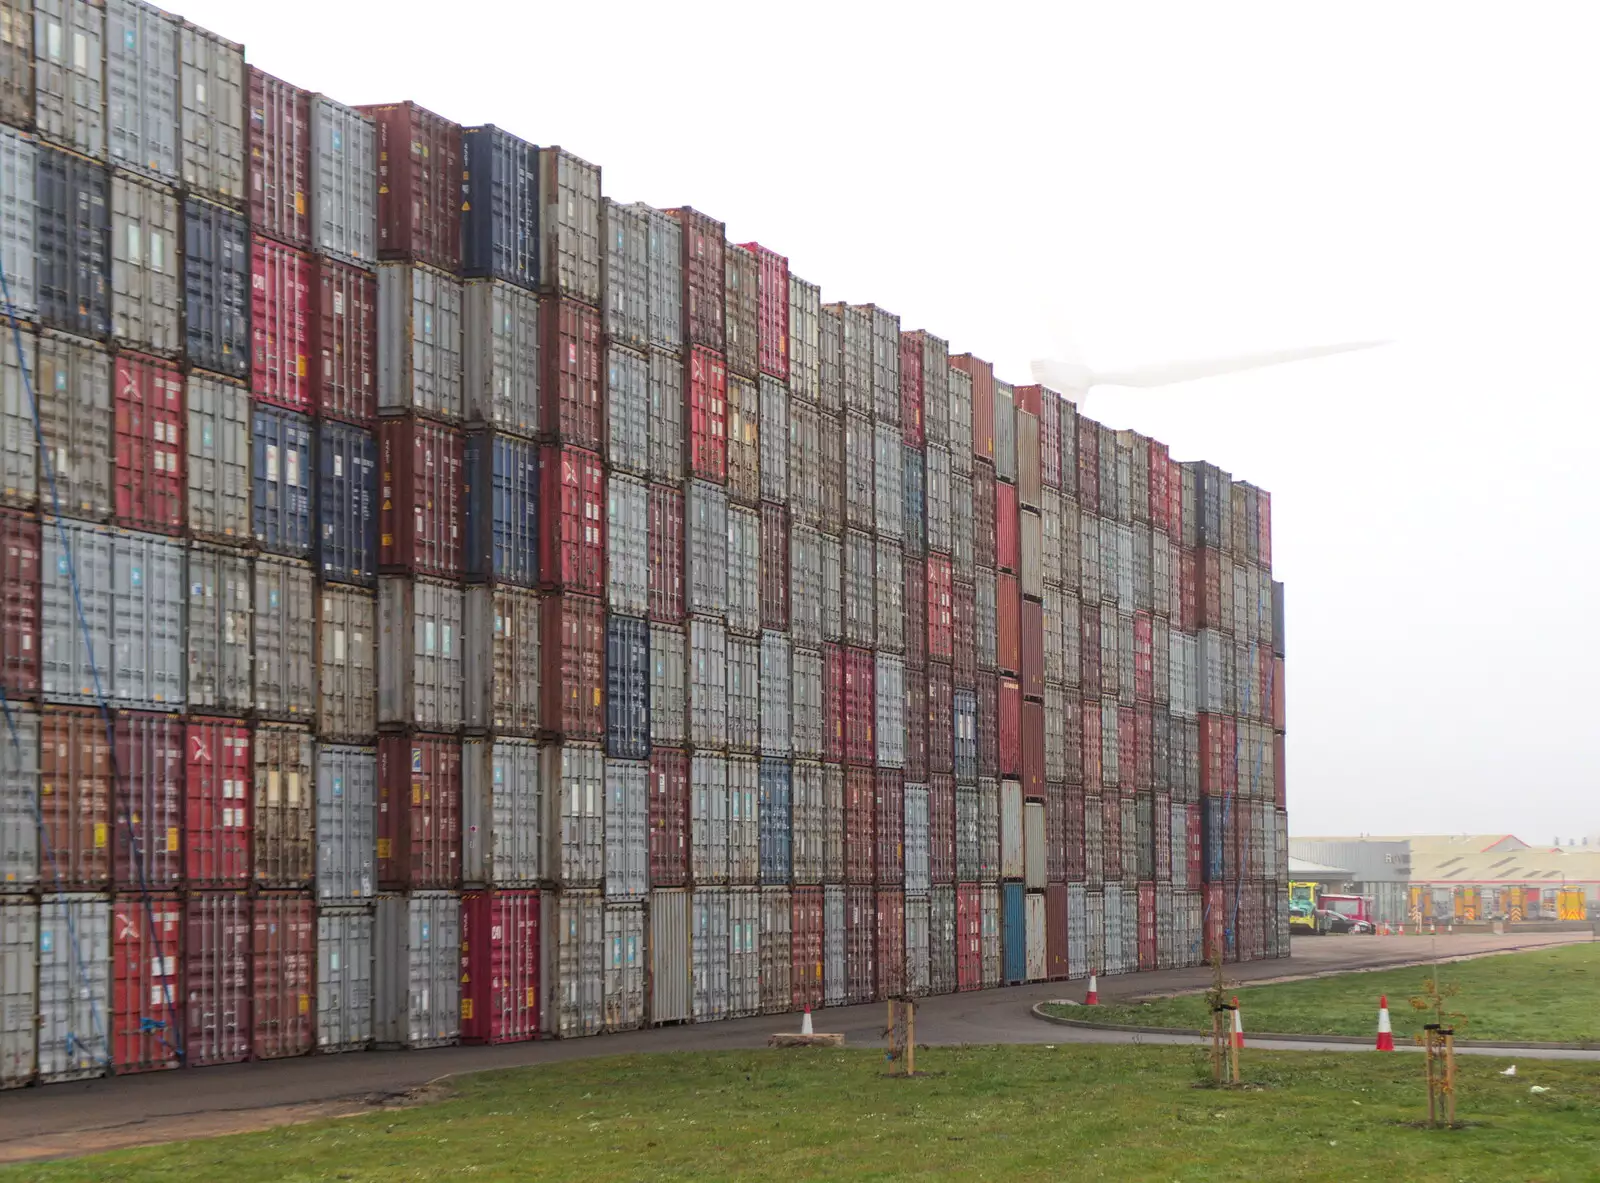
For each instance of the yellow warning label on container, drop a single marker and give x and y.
(99, 834)
(383, 847)
(300, 203)
(172, 838)
(530, 996)
(466, 1008)
(300, 365)
(597, 696)
(305, 1003)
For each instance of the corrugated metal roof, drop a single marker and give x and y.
(1422, 844)
(1527, 865)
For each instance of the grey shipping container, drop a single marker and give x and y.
(19, 990)
(744, 570)
(347, 702)
(774, 811)
(627, 273)
(707, 528)
(990, 858)
(72, 233)
(284, 806)
(805, 305)
(708, 955)
(72, 389)
(1032, 557)
(744, 694)
(987, 628)
(417, 969)
(665, 437)
(668, 691)
(666, 279)
(1005, 433)
(1077, 943)
(345, 949)
(991, 946)
(144, 295)
(963, 555)
(918, 937)
(502, 813)
(774, 439)
(419, 340)
(218, 458)
(806, 821)
(833, 823)
(743, 407)
(860, 492)
(937, 498)
(890, 695)
(805, 586)
(889, 597)
(572, 948)
(344, 190)
(744, 952)
(500, 324)
(624, 967)
(942, 941)
(860, 589)
(914, 501)
(968, 839)
(628, 410)
(284, 628)
(804, 465)
(627, 688)
(219, 645)
(419, 654)
(833, 960)
(669, 956)
(959, 383)
(806, 710)
(627, 829)
(500, 658)
(211, 131)
(917, 840)
(347, 819)
(74, 998)
(18, 228)
(888, 470)
(216, 288)
(575, 817)
(142, 88)
(129, 590)
(69, 74)
(708, 819)
(627, 545)
(966, 736)
(831, 550)
(569, 238)
(775, 691)
(19, 834)
(708, 685)
(744, 831)
(19, 451)
(1011, 836)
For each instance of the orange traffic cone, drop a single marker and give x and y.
(1385, 1033)
(1238, 1024)
(1092, 998)
(805, 1023)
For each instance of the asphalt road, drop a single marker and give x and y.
(131, 1110)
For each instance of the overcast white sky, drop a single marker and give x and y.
(1172, 180)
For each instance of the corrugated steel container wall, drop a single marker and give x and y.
(502, 364)
(218, 463)
(211, 114)
(889, 954)
(805, 468)
(142, 86)
(19, 452)
(1012, 847)
(913, 501)
(776, 942)
(282, 969)
(345, 949)
(939, 500)
(743, 572)
(741, 326)
(744, 830)
(501, 640)
(744, 447)
(283, 806)
(278, 157)
(707, 527)
(499, 206)
(669, 956)
(805, 338)
(917, 840)
(499, 966)
(573, 955)
(990, 841)
(966, 736)
(282, 293)
(502, 493)
(916, 723)
(1030, 487)
(281, 477)
(859, 588)
(146, 990)
(416, 962)
(504, 822)
(830, 359)
(74, 994)
(144, 265)
(890, 697)
(628, 668)
(708, 684)
(572, 511)
(807, 717)
(777, 838)
(708, 819)
(940, 609)
(775, 692)
(860, 506)
(420, 190)
(147, 811)
(420, 341)
(708, 955)
(941, 714)
(19, 829)
(344, 341)
(217, 830)
(623, 991)
(911, 387)
(744, 694)
(148, 479)
(666, 554)
(73, 798)
(627, 829)
(347, 504)
(992, 939)
(706, 382)
(347, 799)
(627, 273)
(807, 828)
(216, 952)
(57, 240)
(65, 94)
(344, 182)
(669, 817)
(942, 829)
(574, 795)
(668, 685)
(774, 439)
(888, 473)
(1005, 433)
(569, 226)
(419, 808)
(885, 366)
(573, 679)
(774, 569)
(217, 289)
(744, 959)
(420, 676)
(889, 598)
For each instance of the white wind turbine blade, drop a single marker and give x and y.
(1169, 373)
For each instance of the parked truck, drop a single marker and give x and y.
(1318, 912)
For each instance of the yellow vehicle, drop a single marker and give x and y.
(1570, 904)
(1303, 901)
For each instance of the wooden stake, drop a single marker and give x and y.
(1216, 1047)
(1233, 1048)
(1427, 1045)
(1450, 1076)
(911, 1038)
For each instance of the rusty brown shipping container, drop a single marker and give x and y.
(75, 797)
(283, 958)
(704, 277)
(419, 812)
(419, 185)
(573, 648)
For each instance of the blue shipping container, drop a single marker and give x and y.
(280, 479)
(502, 509)
(347, 504)
(628, 688)
(1014, 932)
(72, 235)
(966, 725)
(216, 288)
(777, 840)
(1213, 839)
(499, 207)
(916, 525)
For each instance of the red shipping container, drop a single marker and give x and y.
(283, 960)
(1214, 921)
(419, 185)
(20, 541)
(419, 812)
(1211, 754)
(988, 725)
(860, 828)
(1089, 471)
(1147, 926)
(146, 990)
(1089, 649)
(75, 798)
(218, 777)
(805, 937)
(860, 943)
(666, 554)
(421, 515)
(150, 479)
(984, 541)
(1127, 750)
(278, 140)
(572, 526)
(1032, 649)
(1143, 671)
(573, 650)
(706, 388)
(571, 372)
(1143, 770)
(914, 571)
(1008, 624)
(772, 309)
(982, 374)
(704, 242)
(916, 726)
(891, 953)
(774, 566)
(1279, 768)
(1160, 498)
(345, 348)
(1055, 932)
(964, 633)
(147, 811)
(282, 283)
(1091, 744)
(940, 606)
(833, 741)
(1055, 832)
(1230, 756)
(890, 823)
(942, 828)
(1264, 530)
(1006, 525)
(1189, 573)
(669, 817)
(216, 978)
(1075, 869)
(911, 390)
(969, 937)
(860, 706)
(1033, 787)
(499, 966)
(1010, 727)
(941, 720)
(1193, 860)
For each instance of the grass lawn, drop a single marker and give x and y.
(1013, 1113)
(1549, 995)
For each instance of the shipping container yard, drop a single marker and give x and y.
(442, 604)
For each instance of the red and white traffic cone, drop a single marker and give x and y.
(805, 1023)
(1092, 998)
(1385, 1033)
(1238, 1024)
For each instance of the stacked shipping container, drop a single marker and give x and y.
(536, 615)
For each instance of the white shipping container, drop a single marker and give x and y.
(917, 881)
(670, 980)
(708, 820)
(627, 272)
(744, 570)
(1209, 671)
(627, 829)
(417, 969)
(575, 797)
(624, 992)
(141, 47)
(500, 322)
(936, 498)
(833, 937)
(1112, 937)
(572, 952)
(889, 481)
(347, 820)
(708, 954)
(744, 694)
(420, 669)
(1077, 944)
(1035, 936)
(419, 340)
(502, 813)
(219, 641)
(668, 725)
(744, 952)
(1012, 846)
(628, 410)
(74, 996)
(744, 821)
(890, 694)
(345, 969)
(19, 983)
(344, 191)
(146, 311)
(627, 544)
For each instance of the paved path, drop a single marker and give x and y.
(131, 1110)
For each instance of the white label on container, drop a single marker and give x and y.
(272, 463)
(338, 302)
(158, 251)
(333, 960)
(338, 465)
(338, 644)
(294, 788)
(292, 457)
